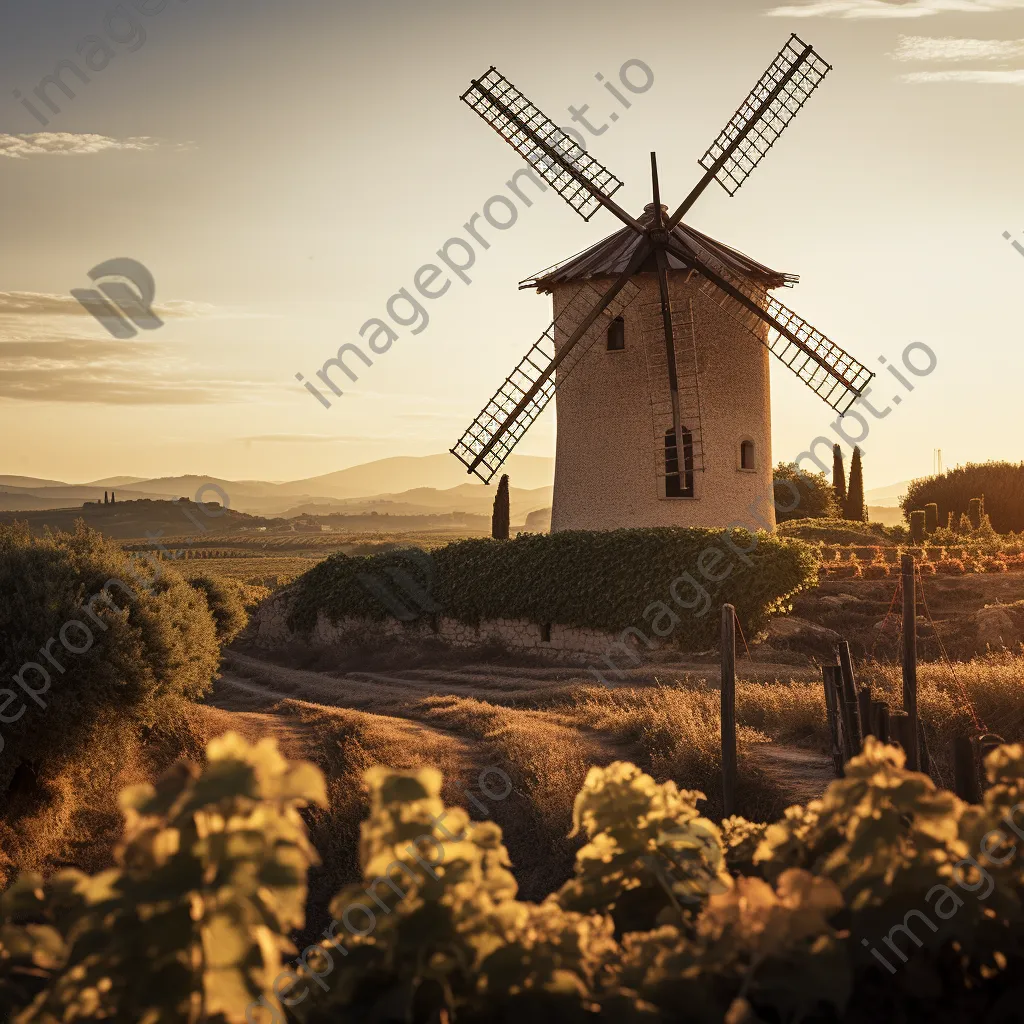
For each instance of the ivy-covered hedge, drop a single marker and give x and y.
(602, 580)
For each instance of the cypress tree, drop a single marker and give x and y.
(855, 508)
(838, 476)
(500, 515)
(105, 500)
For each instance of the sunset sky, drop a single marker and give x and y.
(284, 168)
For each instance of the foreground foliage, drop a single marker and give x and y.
(191, 924)
(580, 578)
(886, 899)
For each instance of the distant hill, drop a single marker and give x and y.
(369, 485)
(28, 482)
(115, 481)
(422, 485)
(131, 520)
(404, 473)
(889, 495)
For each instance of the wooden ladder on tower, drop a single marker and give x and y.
(652, 327)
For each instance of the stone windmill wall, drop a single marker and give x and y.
(613, 410)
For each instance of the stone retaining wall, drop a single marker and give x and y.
(269, 628)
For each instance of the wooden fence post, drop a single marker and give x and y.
(832, 715)
(880, 720)
(965, 770)
(923, 756)
(899, 726)
(986, 744)
(851, 707)
(728, 710)
(864, 709)
(910, 659)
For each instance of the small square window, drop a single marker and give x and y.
(617, 335)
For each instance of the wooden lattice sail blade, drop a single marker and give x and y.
(490, 438)
(584, 183)
(828, 370)
(765, 114)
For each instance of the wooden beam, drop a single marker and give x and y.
(910, 658)
(728, 710)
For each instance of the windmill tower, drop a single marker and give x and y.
(659, 348)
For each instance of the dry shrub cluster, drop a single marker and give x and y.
(143, 650)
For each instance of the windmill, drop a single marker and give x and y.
(655, 277)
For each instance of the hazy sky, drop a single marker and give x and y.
(284, 169)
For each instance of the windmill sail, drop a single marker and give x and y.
(765, 114)
(490, 438)
(828, 370)
(584, 183)
(762, 118)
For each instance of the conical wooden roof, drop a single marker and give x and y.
(610, 257)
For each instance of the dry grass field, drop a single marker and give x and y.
(264, 571)
(545, 725)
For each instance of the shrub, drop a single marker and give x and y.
(802, 495)
(1002, 484)
(145, 637)
(842, 532)
(917, 526)
(877, 568)
(990, 563)
(849, 570)
(975, 510)
(951, 567)
(601, 580)
(226, 599)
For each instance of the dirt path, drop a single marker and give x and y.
(803, 774)
(421, 704)
(401, 742)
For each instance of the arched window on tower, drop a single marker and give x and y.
(617, 335)
(747, 455)
(678, 480)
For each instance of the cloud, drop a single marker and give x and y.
(972, 77)
(48, 304)
(926, 48)
(890, 8)
(38, 364)
(18, 147)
